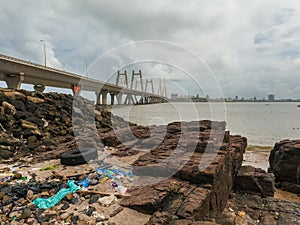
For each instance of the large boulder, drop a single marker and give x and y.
(284, 162)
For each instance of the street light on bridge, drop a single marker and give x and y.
(45, 59)
(86, 72)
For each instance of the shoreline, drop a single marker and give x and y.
(257, 156)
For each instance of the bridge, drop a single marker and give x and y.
(16, 71)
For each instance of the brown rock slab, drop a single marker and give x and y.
(255, 181)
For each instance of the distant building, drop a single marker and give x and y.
(236, 98)
(254, 99)
(271, 97)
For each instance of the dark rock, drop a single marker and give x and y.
(65, 206)
(32, 142)
(9, 140)
(265, 210)
(19, 105)
(36, 121)
(285, 161)
(26, 213)
(88, 211)
(94, 198)
(5, 154)
(31, 107)
(291, 187)
(74, 219)
(255, 181)
(21, 115)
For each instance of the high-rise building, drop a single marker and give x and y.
(271, 97)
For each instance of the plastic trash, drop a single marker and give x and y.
(5, 179)
(105, 172)
(44, 203)
(113, 173)
(49, 168)
(114, 184)
(121, 188)
(84, 182)
(122, 172)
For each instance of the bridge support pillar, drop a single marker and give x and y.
(112, 98)
(14, 81)
(75, 89)
(104, 97)
(119, 98)
(98, 98)
(39, 88)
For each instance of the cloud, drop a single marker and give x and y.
(252, 47)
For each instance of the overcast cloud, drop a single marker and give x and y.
(253, 47)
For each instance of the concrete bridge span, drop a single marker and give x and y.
(16, 71)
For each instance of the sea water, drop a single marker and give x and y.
(263, 123)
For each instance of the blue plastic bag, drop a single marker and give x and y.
(84, 182)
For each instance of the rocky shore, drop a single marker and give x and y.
(182, 173)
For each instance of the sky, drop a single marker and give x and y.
(240, 48)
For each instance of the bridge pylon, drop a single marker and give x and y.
(162, 89)
(118, 78)
(149, 82)
(139, 74)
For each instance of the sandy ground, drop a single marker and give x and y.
(257, 156)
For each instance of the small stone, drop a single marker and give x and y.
(29, 194)
(65, 206)
(35, 100)
(74, 219)
(242, 213)
(74, 200)
(3, 218)
(45, 193)
(5, 154)
(82, 223)
(111, 223)
(107, 200)
(13, 214)
(28, 125)
(26, 213)
(1, 195)
(94, 198)
(5, 198)
(64, 216)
